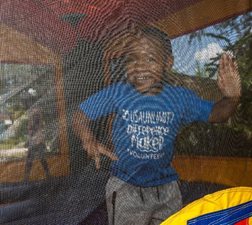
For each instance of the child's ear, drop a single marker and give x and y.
(169, 62)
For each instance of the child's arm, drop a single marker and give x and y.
(81, 127)
(230, 85)
(223, 109)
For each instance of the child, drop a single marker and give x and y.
(148, 113)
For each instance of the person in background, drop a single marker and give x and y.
(36, 142)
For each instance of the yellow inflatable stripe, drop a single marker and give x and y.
(211, 203)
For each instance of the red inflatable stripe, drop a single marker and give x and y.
(243, 222)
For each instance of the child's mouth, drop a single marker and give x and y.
(144, 78)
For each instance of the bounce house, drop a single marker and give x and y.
(67, 73)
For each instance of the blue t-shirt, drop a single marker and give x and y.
(145, 128)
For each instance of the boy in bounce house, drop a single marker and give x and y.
(149, 113)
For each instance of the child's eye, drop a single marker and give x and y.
(130, 60)
(151, 59)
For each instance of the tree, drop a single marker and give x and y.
(237, 35)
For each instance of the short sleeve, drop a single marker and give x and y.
(197, 109)
(99, 104)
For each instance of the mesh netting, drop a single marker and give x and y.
(117, 112)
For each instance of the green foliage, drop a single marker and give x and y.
(22, 129)
(20, 136)
(11, 142)
(215, 140)
(201, 71)
(235, 137)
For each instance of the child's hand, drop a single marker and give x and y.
(95, 149)
(228, 80)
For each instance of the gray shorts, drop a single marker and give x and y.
(128, 204)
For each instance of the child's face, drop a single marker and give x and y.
(145, 65)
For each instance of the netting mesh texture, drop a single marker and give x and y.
(58, 55)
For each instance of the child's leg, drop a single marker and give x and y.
(125, 204)
(129, 205)
(169, 202)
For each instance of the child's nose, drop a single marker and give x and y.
(142, 61)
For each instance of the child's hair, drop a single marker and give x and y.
(159, 35)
